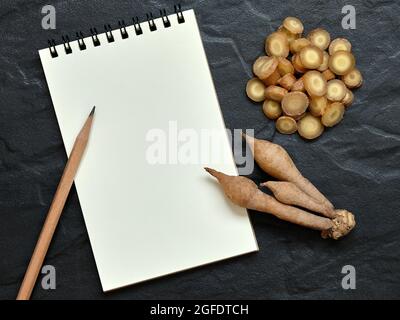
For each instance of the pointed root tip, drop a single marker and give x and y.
(209, 170)
(213, 172)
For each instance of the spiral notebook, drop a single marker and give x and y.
(147, 215)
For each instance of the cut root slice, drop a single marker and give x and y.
(339, 44)
(328, 74)
(272, 109)
(265, 66)
(277, 44)
(333, 114)
(311, 57)
(320, 38)
(284, 66)
(286, 125)
(272, 79)
(294, 104)
(335, 90)
(325, 62)
(304, 82)
(310, 127)
(298, 44)
(341, 62)
(314, 83)
(290, 36)
(287, 81)
(318, 105)
(348, 98)
(275, 93)
(293, 25)
(353, 79)
(255, 90)
(297, 65)
(298, 86)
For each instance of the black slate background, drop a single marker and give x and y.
(356, 164)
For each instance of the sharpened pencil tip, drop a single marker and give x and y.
(92, 112)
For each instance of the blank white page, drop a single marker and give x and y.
(146, 220)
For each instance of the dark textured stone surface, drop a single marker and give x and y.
(356, 164)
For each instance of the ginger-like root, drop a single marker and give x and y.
(343, 223)
(288, 193)
(275, 161)
(245, 193)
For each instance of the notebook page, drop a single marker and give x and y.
(145, 220)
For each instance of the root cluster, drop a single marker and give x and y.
(315, 68)
(290, 193)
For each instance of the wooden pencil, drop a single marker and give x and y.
(55, 210)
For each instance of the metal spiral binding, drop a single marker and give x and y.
(164, 17)
(151, 22)
(122, 27)
(138, 28)
(178, 11)
(52, 48)
(67, 47)
(81, 42)
(95, 38)
(109, 35)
